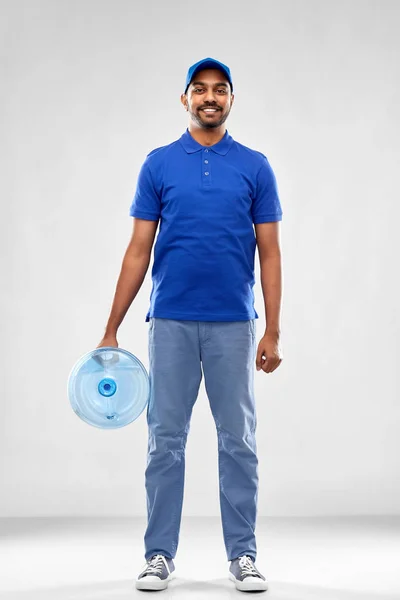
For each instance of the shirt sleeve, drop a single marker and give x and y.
(266, 205)
(146, 203)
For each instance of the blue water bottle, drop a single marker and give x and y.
(108, 387)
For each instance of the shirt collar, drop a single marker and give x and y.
(191, 145)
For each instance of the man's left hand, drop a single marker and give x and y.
(269, 355)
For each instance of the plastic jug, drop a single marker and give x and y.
(108, 387)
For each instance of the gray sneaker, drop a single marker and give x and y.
(156, 574)
(246, 576)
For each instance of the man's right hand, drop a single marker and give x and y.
(108, 340)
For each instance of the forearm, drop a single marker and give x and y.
(132, 274)
(271, 283)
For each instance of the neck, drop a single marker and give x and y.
(206, 137)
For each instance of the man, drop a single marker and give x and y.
(207, 190)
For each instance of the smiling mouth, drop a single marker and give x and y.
(210, 111)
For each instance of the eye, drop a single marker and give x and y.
(198, 89)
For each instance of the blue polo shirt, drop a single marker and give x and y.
(207, 199)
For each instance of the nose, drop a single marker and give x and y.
(209, 97)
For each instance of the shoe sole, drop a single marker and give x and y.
(152, 582)
(251, 585)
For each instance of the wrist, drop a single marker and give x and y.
(270, 332)
(110, 333)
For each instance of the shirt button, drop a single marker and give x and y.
(206, 150)
(206, 173)
(206, 161)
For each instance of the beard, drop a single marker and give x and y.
(207, 122)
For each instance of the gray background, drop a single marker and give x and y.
(87, 90)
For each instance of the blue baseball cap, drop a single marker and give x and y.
(207, 63)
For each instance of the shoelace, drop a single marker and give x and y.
(247, 566)
(155, 564)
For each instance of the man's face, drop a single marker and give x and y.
(208, 89)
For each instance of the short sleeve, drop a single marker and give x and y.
(266, 205)
(146, 202)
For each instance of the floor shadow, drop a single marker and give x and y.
(185, 589)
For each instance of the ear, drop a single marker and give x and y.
(184, 100)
